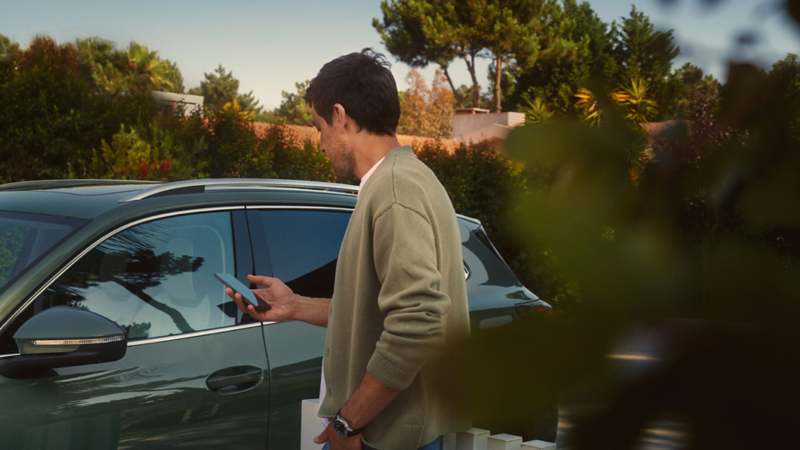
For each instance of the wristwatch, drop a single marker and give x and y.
(342, 428)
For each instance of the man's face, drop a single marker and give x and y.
(331, 143)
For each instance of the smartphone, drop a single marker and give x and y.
(238, 287)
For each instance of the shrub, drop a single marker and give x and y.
(50, 119)
(293, 160)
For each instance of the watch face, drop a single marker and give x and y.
(340, 427)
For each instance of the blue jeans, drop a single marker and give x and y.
(435, 445)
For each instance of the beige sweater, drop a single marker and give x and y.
(400, 297)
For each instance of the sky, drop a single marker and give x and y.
(269, 45)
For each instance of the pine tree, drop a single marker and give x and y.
(577, 49)
(643, 53)
(220, 88)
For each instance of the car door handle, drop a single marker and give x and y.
(234, 379)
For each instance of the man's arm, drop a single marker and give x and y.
(369, 399)
(364, 404)
(284, 304)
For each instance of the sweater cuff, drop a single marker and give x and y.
(389, 374)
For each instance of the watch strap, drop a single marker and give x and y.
(351, 432)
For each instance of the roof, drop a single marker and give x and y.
(88, 199)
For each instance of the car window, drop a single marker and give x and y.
(157, 278)
(24, 238)
(303, 247)
(482, 262)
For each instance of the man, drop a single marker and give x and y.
(399, 294)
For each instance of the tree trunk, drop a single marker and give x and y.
(449, 80)
(498, 78)
(476, 90)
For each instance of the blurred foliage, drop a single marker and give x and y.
(482, 184)
(702, 248)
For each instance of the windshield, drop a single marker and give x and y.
(24, 238)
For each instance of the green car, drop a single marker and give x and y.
(114, 332)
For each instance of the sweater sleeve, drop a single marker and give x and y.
(406, 263)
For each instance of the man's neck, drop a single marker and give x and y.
(369, 149)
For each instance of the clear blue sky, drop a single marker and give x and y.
(269, 44)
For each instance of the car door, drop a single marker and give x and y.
(299, 246)
(194, 376)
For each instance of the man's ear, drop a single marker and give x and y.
(339, 116)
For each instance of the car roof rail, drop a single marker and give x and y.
(65, 183)
(199, 186)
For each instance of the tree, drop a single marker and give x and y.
(419, 33)
(537, 111)
(511, 29)
(691, 78)
(148, 72)
(173, 77)
(134, 70)
(8, 51)
(583, 60)
(641, 52)
(220, 88)
(427, 111)
(51, 117)
(293, 108)
(7, 48)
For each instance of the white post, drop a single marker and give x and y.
(474, 439)
(310, 426)
(538, 445)
(505, 441)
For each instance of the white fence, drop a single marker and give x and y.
(474, 439)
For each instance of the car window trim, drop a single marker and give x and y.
(176, 337)
(181, 336)
(291, 207)
(99, 241)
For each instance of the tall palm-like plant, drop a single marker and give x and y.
(146, 71)
(135, 70)
(637, 110)
(536, 110)
(633, 98)
(588, 101)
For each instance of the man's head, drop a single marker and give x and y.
(365, 88)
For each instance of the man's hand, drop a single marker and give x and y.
(278, 296)
(337, 442)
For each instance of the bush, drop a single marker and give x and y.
(291, 160)
(50, 118)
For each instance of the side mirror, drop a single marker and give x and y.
(64, 337)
